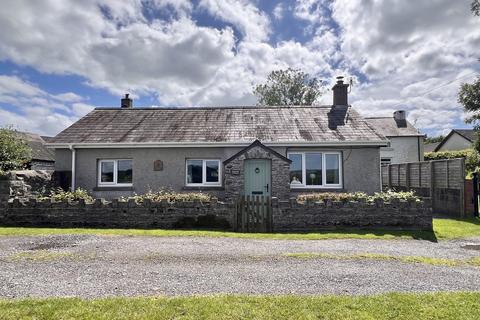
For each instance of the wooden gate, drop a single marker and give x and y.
(253, 214)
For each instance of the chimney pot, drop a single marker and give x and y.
(126, 102)
(340, 93)
(400, 115)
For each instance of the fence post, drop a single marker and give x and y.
(389, 176)
(462, 187)
(475, 194)
(420, 165)
(432, 185)
(407, 176)
(447, 173)
(398, 175)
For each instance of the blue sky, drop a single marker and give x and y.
(60, 59)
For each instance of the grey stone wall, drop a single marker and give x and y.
(26, 183)
(287, 215)
(310, 216)
(235, 178)
(115, 214)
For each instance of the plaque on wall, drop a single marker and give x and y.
(158, 165)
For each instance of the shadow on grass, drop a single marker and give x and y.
(379, 233)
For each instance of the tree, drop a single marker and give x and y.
(476, 7)
(434, 139)
(469, 98)
(14, 151)
(288, 87)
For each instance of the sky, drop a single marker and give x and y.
(60, 59)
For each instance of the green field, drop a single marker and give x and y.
(444, 229)
(436, 306)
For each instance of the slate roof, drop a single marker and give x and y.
(430, 147)
(37, 144)
(468, 134)
(389, 127)
(220, 124)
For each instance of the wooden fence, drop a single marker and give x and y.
(253, 214)
(441, 180)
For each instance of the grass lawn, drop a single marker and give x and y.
(436, 306)
(454, 229)
(444, 229)
(385, 257)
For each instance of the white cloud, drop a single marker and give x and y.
(395, 50)
(81, 109)
(405, 50)
(279, 11)
(313, 11)
(253, 23)
(35, 110)
(68, 97)
(13, 85)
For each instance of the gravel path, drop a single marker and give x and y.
(95, 266)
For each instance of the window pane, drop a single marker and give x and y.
(212, 170)
(313, 166)
(106, 171)
(125, 171)
(332, 166)
(194, 171)
(295, 168)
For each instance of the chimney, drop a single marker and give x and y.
(340, 93)
(400, 115)
(127, 103)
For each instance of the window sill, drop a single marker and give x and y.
(220, 188)
(113, 188)
(329, 189)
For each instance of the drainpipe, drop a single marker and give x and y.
(73, 168)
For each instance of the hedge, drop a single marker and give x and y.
(472, 157)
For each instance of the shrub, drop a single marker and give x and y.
(14, 151)
(386, 196)
(60, 195)
(335, 196)
(472, 157)
(171, 196)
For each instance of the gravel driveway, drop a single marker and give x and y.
(95, 266)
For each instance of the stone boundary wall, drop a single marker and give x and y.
(317, 215)
(287, 215)
(26, 183)
(115, 214)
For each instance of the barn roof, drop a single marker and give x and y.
(37, 144)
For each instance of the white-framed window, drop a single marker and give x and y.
(203, 172)
(315, 169)
(115, 172)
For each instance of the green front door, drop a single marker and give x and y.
(257, 177)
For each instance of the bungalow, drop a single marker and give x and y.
(227, 151)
